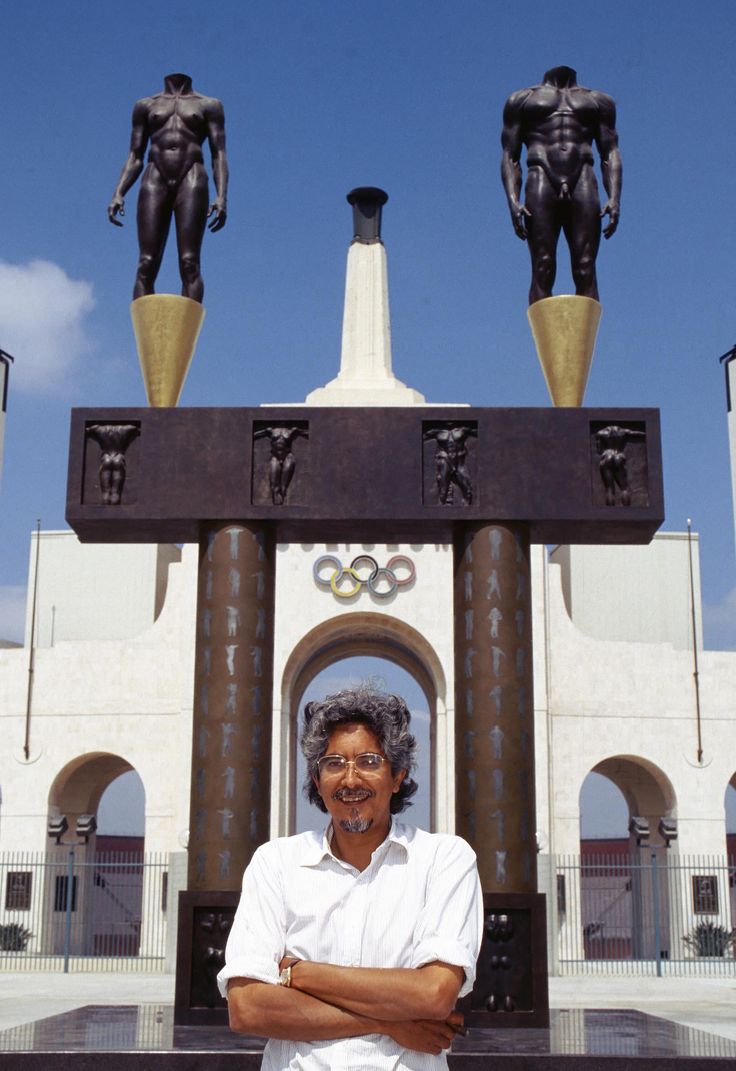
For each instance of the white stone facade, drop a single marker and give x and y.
(624, 706)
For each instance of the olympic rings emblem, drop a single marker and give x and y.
(364, 571)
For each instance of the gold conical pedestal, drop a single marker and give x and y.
(166, 330)
(564, 330)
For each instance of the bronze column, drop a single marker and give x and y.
(494, 706)
(233, 680)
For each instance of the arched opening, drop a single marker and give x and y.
(399, 647)
(121, 814)
(604, 814)
(388, 677)
(94, 880)
(624, 886)
(645, 788)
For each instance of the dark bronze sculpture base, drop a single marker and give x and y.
(204, 923)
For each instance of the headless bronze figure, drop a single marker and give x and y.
(174, 183)
(559, 121)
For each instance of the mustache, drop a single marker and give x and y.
(352, 794)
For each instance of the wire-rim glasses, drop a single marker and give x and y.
(368, 763)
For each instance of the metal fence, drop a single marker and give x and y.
(649, 912)
(75, 909)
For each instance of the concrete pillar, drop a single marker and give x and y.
(494, 704)
(233, 682)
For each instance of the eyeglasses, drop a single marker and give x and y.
(366, 764)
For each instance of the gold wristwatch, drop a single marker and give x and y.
(285, 975)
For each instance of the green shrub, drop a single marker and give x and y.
(710, 939)
(14, 937)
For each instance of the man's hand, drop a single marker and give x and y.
(426, 1035)
(218, 212)
(519, 213)
(116, 208)
(613, 211)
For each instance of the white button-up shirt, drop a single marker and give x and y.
(419, 900)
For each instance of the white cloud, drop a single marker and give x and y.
(719, 623)
(42, 314)
(12, 612)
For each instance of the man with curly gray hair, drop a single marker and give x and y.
(351, 946)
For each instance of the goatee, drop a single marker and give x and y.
(355, 825)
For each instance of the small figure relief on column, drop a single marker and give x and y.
(255, 743)
(495, 538)
(114, 468)
(619, 464)
(496, 694)
(495, 617)
(497, 779)
(500, 820)
(204, 735)
(231, 700)
(200, 823)
(494, 588)
(277, 459)
(497, 734)
(449, 465)
(469, 701)
(226, 745)
(468, 578)
(256, 694)
(497, 653)
(500, 868)
(469, 737)
(233, 620)
(256, 654)
(234, 534)
(227, 817)
(228, 776)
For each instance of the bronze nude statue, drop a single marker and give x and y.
(176, 122)
(558, 122)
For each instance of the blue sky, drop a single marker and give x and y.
(321, 96)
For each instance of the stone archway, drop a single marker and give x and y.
(626, 892)
(92, 901)
(356, 634)
(645, 787)
(79, 785)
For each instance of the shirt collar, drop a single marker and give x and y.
(317, 847)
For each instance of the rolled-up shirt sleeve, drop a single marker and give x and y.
(257, 938)
(450, 925)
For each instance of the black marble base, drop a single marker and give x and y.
(144, 1038)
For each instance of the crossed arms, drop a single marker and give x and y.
(412, 1006)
